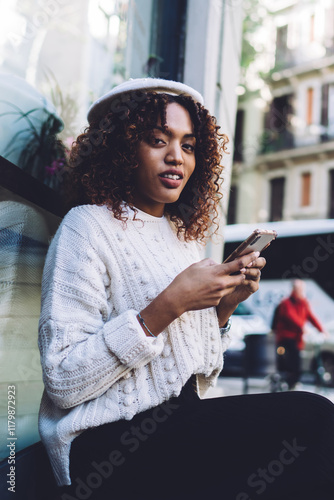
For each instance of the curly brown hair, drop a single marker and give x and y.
(104, 157)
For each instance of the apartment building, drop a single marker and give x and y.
(284, 140)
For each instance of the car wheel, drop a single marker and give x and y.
(324, 369)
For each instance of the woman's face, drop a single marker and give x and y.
(166, 160)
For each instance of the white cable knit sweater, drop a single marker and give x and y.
(98, 364)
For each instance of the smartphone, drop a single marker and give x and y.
(258, 241)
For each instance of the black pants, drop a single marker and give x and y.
(288, 361)
(264, 446)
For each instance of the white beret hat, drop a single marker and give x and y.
(100, 107)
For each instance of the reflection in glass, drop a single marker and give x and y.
(29, 125)
(25, 231)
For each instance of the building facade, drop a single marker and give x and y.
(284, 142)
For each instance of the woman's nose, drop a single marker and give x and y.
(174, 155)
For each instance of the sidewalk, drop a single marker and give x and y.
(230, 386)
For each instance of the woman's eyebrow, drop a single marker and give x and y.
(169, 133)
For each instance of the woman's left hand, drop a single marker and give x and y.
(243, 291)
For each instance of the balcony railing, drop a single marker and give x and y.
(272, 142)
(288, 58)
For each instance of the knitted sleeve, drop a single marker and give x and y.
(85, 348)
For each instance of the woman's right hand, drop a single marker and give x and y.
(200, 286)
(204, 284)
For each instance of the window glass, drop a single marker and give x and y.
(309, 106)
(306, 189)
(277, 188)
(312, 28)
(69, 52)
(281, 44)
(25, 232)
(232, 205)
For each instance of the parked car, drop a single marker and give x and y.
(251, 327)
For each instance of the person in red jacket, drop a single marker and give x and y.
(290, 318)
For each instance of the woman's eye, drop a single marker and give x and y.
(157, 140)
(189, 147)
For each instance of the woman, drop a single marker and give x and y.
(134, 325)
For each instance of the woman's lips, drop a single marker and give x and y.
(170, 183)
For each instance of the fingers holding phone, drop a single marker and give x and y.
(250, 284)
(252, 266)
(258, 241)
(253, 270)
(246, 264)
(204, 283)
